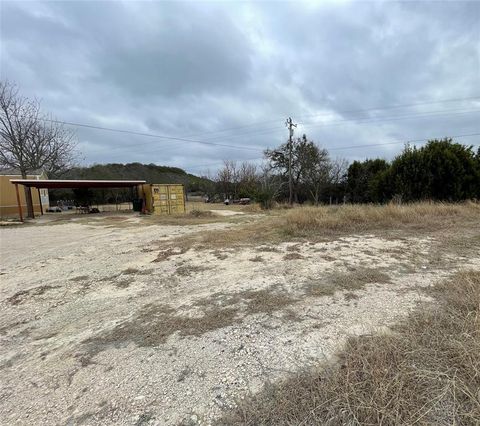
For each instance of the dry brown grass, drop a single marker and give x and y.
(266, 301)
(250, 302)
(24, 295)
(169, 252)
(352, 280)
(293, 256)
(200, 213)
(153, 324)
(427, 371)
(358, 218)
(188, 270)
(325, 222)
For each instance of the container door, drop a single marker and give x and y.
(160, 199)
(176, 198)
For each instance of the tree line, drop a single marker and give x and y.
(442, 170)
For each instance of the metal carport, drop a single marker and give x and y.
(70, 184)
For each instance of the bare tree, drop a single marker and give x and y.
(29, 140)
(337, 176)
(271, 186)
(315, 171)
(338, 170)
(224, 178)
(235, 176)
(248, 179)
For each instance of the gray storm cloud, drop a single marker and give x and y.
(192, 69)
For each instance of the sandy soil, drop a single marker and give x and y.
(105, 324)
(226, 212)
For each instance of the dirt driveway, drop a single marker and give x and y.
(110, 323)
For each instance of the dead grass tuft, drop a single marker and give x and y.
(166, 254)
(124, 283)
(351, 280)
(293, 256)
(250, 302)
(426, 372)
(349, 295)
(154, 323)
(23, 295)
(200, 213)
(253, 208)
(267, 249)
(188, 270)
(220, 255)
(266, 301)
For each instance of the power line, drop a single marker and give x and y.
(355, 146)
(151, 135)
(256, 124)
(209, 141)
(396, 143)
(221, 162)
(403, 106)
(360, 120)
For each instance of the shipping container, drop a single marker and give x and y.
(164, 199)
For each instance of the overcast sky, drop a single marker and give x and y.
(230, 73)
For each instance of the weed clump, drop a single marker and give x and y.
(200, 213)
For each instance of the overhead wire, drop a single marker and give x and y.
(256, 124)
(405, 142)
(276, 128)
(260, 133)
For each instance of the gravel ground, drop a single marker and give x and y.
(102, 324)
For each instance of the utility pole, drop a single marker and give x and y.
(289, 124)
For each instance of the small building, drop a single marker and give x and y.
(8, 196)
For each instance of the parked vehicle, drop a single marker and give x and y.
(54, 209)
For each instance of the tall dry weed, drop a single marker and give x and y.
(427, 371)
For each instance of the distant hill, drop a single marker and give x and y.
(137, 171)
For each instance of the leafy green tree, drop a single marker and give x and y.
(441, 170)
(363, 180)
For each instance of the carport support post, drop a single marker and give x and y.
(40, 200)
(19, 203)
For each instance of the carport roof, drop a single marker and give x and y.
(52, 183)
